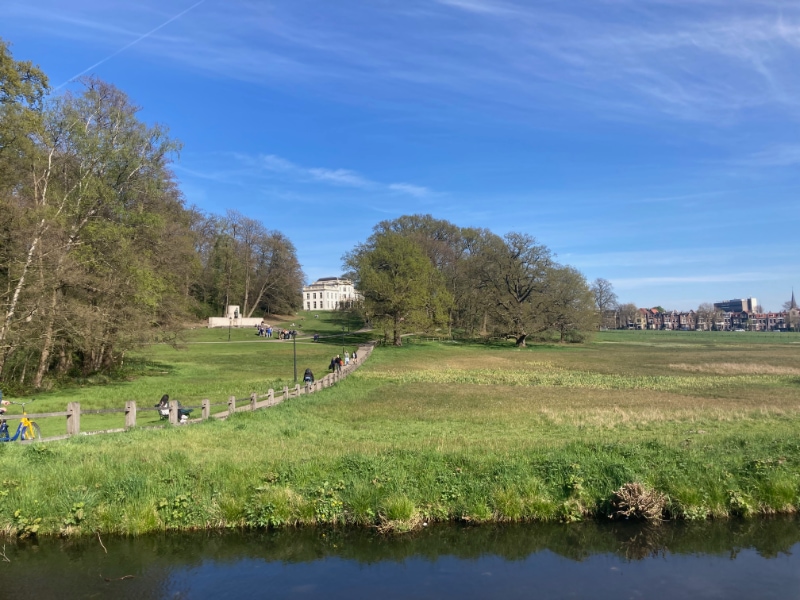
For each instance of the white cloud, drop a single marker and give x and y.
(341, 177)
(336, 177)
(410, 189)
(702, 60)
(478, 6)
(781, 155)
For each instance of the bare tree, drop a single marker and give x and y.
(605, 300)
(627, 314)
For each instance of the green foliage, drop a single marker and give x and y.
(328, 506)
(398, 507)
(76, 515)
(402, 290)
(26, 526)
(179, 511)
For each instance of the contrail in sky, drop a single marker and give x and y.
(136, 41)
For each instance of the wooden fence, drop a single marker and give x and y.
(234, 405)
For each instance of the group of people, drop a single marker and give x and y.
(337, 362)
(266, 330)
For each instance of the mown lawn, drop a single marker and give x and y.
(438, 431)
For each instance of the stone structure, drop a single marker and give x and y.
(233, 318)
(330, 293)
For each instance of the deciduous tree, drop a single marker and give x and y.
(402, 290)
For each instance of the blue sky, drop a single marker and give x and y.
(655, 143)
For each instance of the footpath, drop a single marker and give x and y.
(233, 405)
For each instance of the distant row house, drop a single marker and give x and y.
(652, 318)
(741, 315)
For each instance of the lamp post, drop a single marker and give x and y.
(343, 330)
(230, 321)
(294, 353)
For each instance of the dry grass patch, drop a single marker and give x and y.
(635, 501)
(735, 369)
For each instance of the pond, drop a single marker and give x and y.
(732, 559)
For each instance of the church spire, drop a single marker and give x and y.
(793, 304)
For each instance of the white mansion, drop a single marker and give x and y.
(329, 293)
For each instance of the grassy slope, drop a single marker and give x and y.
(439, 431)
(204, 365)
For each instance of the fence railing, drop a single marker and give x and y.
(233, 405)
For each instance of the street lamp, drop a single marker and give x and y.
(294, 353)
(343, 330)
(230, 321)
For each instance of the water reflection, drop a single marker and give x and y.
(751, 559)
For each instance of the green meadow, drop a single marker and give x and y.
(431, 431)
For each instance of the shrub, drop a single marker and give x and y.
(635, 501)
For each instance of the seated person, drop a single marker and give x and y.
(163, 408)
(308, 376)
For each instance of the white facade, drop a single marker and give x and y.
(329, 293)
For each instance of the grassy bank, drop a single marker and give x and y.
(433, 432)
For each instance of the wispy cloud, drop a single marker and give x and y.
(336, 177)
(341, 177)
(627, 283)
(482, 7)
(132, 43)
(623, 59)
(781, 155)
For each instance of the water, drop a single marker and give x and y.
(754, 560)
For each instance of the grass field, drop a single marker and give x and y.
(206, 363)
(431, 431)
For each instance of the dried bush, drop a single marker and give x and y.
(634, 501)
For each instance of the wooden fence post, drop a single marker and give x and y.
(253, 402)
(130, 413)
(173, 412)
(231, 405)
(74, 418)
(297, 390)
(270, 396)
(205, 406)
(285, 392)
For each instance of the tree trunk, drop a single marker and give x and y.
(12, 307)
(398, 340)
(521, 340)
(47, 342)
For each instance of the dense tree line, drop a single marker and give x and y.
(420, 273)
(245, 264)
(98, 252)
